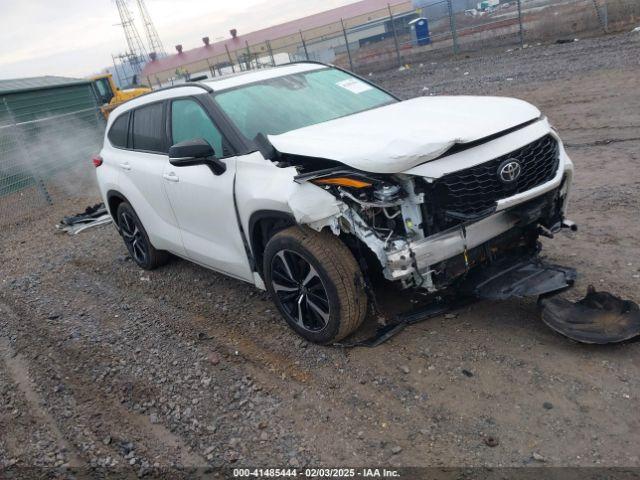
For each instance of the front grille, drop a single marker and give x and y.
(473, 191)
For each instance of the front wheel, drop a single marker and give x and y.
(316, 284)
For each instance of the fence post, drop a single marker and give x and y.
(22, 145)
(520, 23)
(233, 69)
(248, 55)
(601, 20)
(452, 24)
(346, 41)
(304, 45)
(395, 36)
(273, 60)
(211, 69)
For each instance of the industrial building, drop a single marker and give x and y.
(47, 124)
(318, 37)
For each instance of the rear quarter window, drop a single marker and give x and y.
(149, 128)
(118, 132)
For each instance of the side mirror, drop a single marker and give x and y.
(196, 152)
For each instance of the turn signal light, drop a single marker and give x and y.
(97, 161)
(342, 182)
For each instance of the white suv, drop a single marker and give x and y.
(306, 181)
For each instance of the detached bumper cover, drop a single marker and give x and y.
(598, 318)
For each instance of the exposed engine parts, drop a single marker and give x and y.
(387, 193)
(400, 218)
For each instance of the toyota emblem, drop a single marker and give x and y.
(509, 170)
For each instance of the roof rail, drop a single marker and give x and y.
(207, 88)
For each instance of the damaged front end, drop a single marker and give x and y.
(420, 245)
(467, 234)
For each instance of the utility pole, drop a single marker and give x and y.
(155, 44)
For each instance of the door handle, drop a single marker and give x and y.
(125, 166)
(171, 177)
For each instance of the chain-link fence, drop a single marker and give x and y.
(400, 33)
(44, 160)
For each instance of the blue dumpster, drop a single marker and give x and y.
(421, 35)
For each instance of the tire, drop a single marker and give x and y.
(316, 284)
(137, 241)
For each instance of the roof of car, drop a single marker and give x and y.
(244, 78)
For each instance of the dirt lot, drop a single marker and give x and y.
(103, 364)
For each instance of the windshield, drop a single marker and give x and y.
(281, 104)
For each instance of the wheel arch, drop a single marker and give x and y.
(264, 224)
(114, 199)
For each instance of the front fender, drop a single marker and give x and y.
(261, 185)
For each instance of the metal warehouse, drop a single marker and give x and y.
(315, 37)
(46, 125)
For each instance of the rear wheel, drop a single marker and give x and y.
(137, 241)
(316, 284)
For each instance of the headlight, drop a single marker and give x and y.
(342, 182)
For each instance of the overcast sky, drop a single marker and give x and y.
(77, 37)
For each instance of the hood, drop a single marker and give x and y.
(400, 136)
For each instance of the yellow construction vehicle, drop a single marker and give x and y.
(110, 96)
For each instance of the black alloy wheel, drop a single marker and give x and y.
(136, 239)
(300, 291)
(316, 283)
(133, 238)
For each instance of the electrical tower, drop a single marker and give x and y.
(137, 53)
(155, 44)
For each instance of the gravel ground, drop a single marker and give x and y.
(103, 365)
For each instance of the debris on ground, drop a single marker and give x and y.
(598, 318)
(93, 216)
(390, 330)
(491, 442)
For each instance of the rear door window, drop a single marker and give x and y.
(189, 121)
(149, 128)
(119, 131)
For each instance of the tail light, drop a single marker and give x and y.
(97, 161)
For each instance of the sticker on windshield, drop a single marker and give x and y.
(354, 85)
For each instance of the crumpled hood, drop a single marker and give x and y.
(400, 136)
